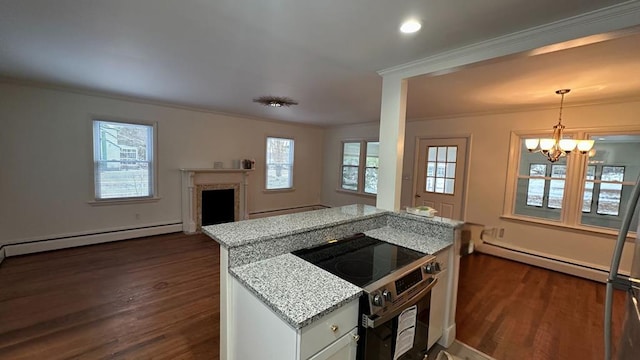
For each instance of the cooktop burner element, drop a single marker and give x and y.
(361, 260)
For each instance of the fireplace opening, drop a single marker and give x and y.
(218, 206)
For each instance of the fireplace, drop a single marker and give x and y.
(217, 204)
(213, 196)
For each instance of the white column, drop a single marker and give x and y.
(392, 125)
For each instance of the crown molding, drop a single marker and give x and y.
(606, 20)
(524, 109)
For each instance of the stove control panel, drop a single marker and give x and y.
(378, 300)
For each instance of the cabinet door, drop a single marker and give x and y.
(438, 308)
(342, 349)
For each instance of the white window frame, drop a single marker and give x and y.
(362, 167)
(292, 156)
(571, 211)
(153, 164)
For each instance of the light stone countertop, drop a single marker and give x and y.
(298, 291)
(245, 232)
(417, 242)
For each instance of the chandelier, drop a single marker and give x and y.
(556, 147)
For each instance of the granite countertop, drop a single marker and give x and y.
(298, 291)
(250, 231)
(421, 243)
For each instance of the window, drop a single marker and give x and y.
(123, 160)
(579, 190)
(279, 169)
(441, 169)
(360, 168)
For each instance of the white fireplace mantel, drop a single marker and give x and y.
(192, 178)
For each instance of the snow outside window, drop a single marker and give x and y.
(359, 169)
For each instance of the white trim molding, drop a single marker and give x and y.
(87, 239)
(546, 261)
(615, 19)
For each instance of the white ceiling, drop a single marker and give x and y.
(220, 54)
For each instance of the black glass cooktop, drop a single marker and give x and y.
(361, 260)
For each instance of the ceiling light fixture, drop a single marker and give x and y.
(558, 146)
(275, 101)
(410, 26)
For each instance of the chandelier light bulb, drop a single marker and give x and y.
(567, 145)
(547, 144)
(531, 144)
(585, 145)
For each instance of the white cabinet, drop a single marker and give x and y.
(439, 296)
(258, 333)
(341, 349)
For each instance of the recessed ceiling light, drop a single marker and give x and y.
(410, 26)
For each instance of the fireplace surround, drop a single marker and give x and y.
(195, 181)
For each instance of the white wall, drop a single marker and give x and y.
(332, 161)
(489, 152)
(46, 179)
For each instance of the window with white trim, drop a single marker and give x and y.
(582, 191)
(359, 169)
(123, 154)
(279, 166)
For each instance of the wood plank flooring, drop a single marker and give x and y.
(155, 297)
(158, 298)
(510, 310)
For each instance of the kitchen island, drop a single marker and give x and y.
(291, 309)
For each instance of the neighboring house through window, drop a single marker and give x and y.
(583, 191)
(123, 160)
(359, 169)
(279, 167)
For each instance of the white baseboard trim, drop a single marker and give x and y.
(503, 251)
(448, 336)
(87, 239)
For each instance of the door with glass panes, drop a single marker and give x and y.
(440, 175)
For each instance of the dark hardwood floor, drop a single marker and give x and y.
(158, 297)
(511, 310)
(155, 297)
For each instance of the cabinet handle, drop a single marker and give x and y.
(334, 328)
(356, 337)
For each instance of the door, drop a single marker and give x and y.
(441, 175)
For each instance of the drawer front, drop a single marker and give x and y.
(342, 349)
(328, 329)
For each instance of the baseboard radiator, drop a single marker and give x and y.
(566, 266)
(283, 211)
(69, 241)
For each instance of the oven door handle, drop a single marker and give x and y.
(373, 323)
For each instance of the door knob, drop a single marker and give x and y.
(417, 195)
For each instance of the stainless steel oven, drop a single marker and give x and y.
(397, 283)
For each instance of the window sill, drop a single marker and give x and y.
(271, 191)
(123, 201)
(357, 193)
(576, 228)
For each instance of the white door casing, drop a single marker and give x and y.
(440, 175)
